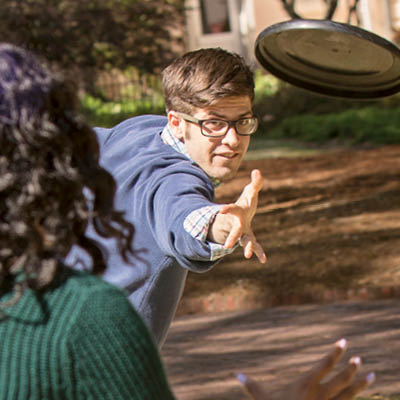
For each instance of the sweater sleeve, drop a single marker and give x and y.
(179, 192)
(113, 353)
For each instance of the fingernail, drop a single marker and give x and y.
(356, 361)
(242, 378)
(370, 378)
(342, 343)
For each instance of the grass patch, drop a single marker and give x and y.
(290, 113)
(355, 126)
(109, 113)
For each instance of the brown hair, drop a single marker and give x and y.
(202, 77)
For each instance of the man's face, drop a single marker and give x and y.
(219, 157)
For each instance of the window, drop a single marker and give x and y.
(215, 16)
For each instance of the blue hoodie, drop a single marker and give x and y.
(157, 188)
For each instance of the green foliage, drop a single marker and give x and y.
(96, 34)
(266, 86)
(109, 113)
(287, 112)
(320, 120)
(355, 126)
(287, 100)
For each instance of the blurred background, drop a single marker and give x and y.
(115, 50)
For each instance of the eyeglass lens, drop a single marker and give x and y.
(244, 126)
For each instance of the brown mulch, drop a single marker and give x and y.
(330, 225)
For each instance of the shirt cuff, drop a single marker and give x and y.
(197, 224)
(218, 251)
(198, 221)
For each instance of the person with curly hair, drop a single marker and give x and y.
(66, 333)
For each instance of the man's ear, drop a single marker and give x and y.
(176, 124)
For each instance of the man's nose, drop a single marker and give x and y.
(231, 138)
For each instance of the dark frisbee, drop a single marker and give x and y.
(330, 58)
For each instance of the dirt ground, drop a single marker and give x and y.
(330, 225)
(203, 353)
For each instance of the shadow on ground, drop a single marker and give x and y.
(330, 225)
(204, 353)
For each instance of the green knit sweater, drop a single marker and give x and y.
(81, 340)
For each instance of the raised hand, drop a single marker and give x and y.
(233, 222)
(342, 386)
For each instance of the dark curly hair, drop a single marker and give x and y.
(51, 184)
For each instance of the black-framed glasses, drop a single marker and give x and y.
(219, 127)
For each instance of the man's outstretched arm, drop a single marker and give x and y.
(233, 222)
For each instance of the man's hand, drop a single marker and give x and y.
(342, 386)
(233, 222)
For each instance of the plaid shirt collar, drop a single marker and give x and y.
(169, 138)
